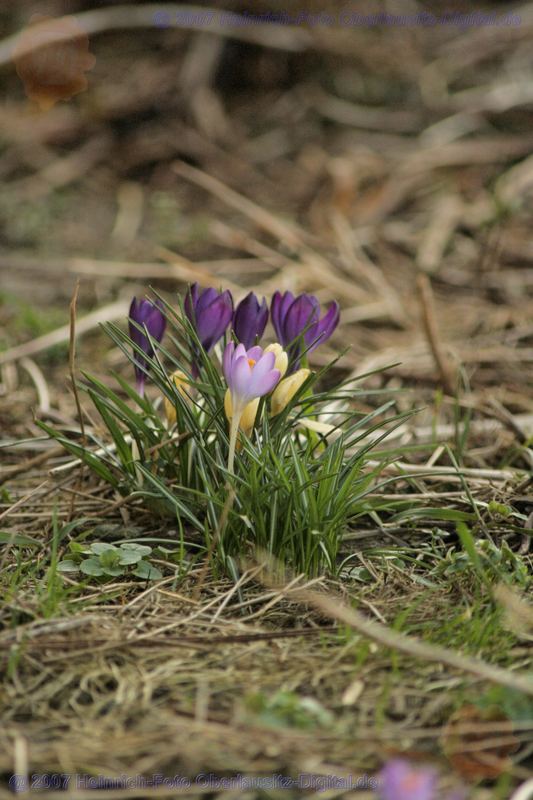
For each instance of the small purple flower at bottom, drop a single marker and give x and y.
(147, 315)
(293, 317)
(400, 780)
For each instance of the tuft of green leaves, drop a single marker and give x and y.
(286, 709)
(102, 559)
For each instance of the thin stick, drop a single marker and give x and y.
(30, 463)
(335, 609)
(166, 15)
(72, 371)
(39, 382)
(72, 358)
(290, 234)
(432, 333)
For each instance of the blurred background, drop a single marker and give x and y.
(346, 151)
(376, 153)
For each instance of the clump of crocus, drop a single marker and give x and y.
(250, 374)
(210, 312)
(250, 319)
(286, 389)
(400, 780)
(146, 315)
(180, 381)
(297, 318)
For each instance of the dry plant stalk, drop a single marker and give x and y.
(432, 333)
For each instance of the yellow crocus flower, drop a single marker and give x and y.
(286, 389)
(248, 415)
(181, 382)
(282, 359)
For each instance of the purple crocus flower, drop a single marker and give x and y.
(400, 780)
(147, 315)
(293, 317)
(249, 374)
(250, 319)
(210, 312)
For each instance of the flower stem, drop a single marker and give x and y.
(233, 431)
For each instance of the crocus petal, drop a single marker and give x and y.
(267, 383)
(250, 319)
(210, 312)
(180, 381)
(282, 359)
(227, 360)
(278, 309)
(286, 389)
(144, 313)
(240, 381)
(213, 321)
(255, 353)
(403, 781)
(134, 316)
(248, 416)
(207, 297)
(240, 352)
(261, 369)
(303, 312)
(324, 328)
(156, 323)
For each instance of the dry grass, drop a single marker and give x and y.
(367, 165)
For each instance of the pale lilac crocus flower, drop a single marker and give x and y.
(249, 374)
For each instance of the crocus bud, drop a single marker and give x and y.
(179, 379)
(295, 317)
(250, 319)
(210, 312)
(147, 315)
(248, 415)
(286, 389)
(282, 359)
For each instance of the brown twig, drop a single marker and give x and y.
(432, 333)
(335, 609)
(72, 358)
(31, 463)
(72, 373)
(171, 15)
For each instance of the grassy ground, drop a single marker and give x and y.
(378, 168)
